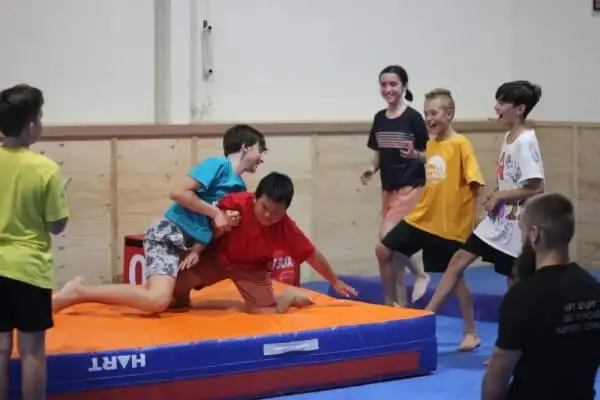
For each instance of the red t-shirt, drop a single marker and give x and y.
(252, 245)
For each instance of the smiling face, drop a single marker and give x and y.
(252, 157)
(391, 88)
(438, 115)
(508, 114)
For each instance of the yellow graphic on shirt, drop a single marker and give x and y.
(435, 170)
(447, 207)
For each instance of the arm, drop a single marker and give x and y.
(320, 264)
(56, 211)
(372, 144)
(512, 327)
(472, 174)
(532, 174)
(421, 138)
(531, 187)
(200, 178)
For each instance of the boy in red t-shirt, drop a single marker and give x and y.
(245, 253)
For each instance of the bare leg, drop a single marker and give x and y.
(32, 350)
(6, 346)
(451, 278)
(154, 298)
(471, 340)
(389, 274)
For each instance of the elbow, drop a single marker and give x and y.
(176, 195)
(58, 227)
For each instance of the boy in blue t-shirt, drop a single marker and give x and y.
(188, 222)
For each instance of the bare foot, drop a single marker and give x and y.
(420, 287)
(470, 342)
(68, 295)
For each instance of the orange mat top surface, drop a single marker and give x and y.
(95, 327)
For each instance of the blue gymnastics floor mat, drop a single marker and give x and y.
(487, 289)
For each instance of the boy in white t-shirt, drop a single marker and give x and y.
(520, 175)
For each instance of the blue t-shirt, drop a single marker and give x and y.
(217, 178)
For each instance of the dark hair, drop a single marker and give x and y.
(20, 106)
(553, 214)
(520, 93)
(402, 76)
(277, 187)
(242, 135)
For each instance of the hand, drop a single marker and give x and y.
(234, 217)
(191, 260)
(492, 203)
(344, 290)
(408, 151)
(367, 175)
(221, 221)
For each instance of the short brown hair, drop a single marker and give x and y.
(446, 95)
(554, 215)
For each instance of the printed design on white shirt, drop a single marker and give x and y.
(518, 162)
(435, 170)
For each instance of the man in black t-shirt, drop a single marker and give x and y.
(549, 327)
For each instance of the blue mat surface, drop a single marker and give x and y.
(486, 286)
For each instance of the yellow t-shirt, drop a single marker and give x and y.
(31, 196)
(447, 207)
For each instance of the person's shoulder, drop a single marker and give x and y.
(528, 136)
(379, 116)
(412, 112)
(582, 274)
(41, 163)
(240, 198)
(214, 160)
(519, 293)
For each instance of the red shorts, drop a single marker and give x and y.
(255, 285)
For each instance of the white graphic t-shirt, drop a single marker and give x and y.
(519, 162)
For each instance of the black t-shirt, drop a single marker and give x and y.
(388, 136)
(553, 318)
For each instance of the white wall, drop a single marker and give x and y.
(290, 60)
(557, 44)
(94, 59)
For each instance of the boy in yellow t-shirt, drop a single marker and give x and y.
(445, 215)
(32, 206)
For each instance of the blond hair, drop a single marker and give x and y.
(444, 94)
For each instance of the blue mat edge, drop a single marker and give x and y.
(70, 373)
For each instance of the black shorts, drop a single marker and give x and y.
(408, 240)
(503, 263)
(24, 307)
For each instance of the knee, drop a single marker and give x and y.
(158, 302)
(382, 253)
(460, 261)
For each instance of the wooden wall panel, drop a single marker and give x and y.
(588, 197)
(84, 249)
(346, 213)
(146, 171)
(122, 177)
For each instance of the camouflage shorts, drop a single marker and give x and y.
(163, 244)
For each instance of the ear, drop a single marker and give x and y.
(535, 235)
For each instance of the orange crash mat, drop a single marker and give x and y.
(94, 346)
